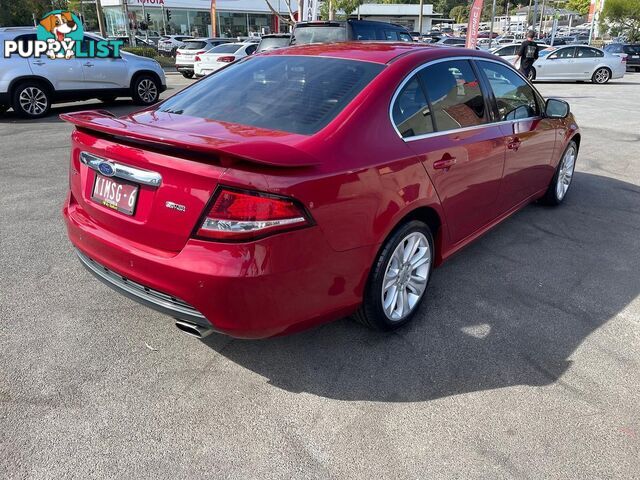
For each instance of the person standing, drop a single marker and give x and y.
(527, 54)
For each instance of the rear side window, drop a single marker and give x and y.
(411, 113)
(455, 95)
(515, 97)
(586, 52)
(363, 32)
(296, 94)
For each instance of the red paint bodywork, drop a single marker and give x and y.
(356, 177)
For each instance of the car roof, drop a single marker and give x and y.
(376, 52)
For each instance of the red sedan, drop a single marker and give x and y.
(311, 183)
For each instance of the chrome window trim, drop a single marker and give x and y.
(413, 72)
(125, 172)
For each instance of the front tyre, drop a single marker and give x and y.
(601, 75)
(31, 100)
(399, 278)
(145, 90)
(561, 181)
(532, 74)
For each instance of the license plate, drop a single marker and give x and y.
(635, 56)
(115, 194)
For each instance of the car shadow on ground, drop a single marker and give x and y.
(117, 107)
(509, 310)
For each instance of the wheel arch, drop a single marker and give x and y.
(151, 73)
(30, 78)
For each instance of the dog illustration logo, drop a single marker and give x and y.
(60, 27)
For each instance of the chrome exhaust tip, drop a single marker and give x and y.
(192, 329)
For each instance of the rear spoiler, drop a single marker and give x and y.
(262, 152)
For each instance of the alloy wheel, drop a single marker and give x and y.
(565, 173)
(33, 101)
(601, 75)
(406, 276)
(147, 90)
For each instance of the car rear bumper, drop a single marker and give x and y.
(276, 285)
(184, 68)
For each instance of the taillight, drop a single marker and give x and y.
(198, 59)
(241, 215)
(226, 59)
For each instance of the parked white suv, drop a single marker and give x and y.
(168, 44)
(185, 56)
(31, 85)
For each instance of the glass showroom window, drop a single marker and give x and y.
(114, 19)
(232, 24)
(258, 22)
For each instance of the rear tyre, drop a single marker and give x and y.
(601, 75)
(187, 74)
(399, 278)
(145, 90)
(561, 181)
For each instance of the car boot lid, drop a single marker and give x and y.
(203, 136)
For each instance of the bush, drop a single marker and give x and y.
(142, 51)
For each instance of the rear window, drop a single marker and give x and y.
(273, 42)
(288, 93)
(225, 48)
(194, 45)
(632, 49)
(319, 34)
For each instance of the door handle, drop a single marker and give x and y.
(445, 163)
(514, 143)
(38, 62)
(88, 64)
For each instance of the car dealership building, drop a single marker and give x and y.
(193, 17)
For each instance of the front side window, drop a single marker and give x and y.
(563, 53)
(514, 96)
(404, 37)
(505, 51)
(411, 114)
(455, 95)
(297, 94)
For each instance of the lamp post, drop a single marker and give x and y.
(420, 17)
(493, 16)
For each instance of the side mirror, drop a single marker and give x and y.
(555, 108)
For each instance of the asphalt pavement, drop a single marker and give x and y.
(524, 361)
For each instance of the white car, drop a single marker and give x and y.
(185, 56)
(31, 85)
(168, 44)
(510, 52)
(578, 62)
(222, 55)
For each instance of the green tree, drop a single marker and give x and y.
(580, 6)
(16, 13)
(345, 7)
(459, 13)
(624, 16)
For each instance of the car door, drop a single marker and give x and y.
(64, 74)
(530, 138)
(586, 61)
(103, 73)
(462, 152)
(558, 65)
